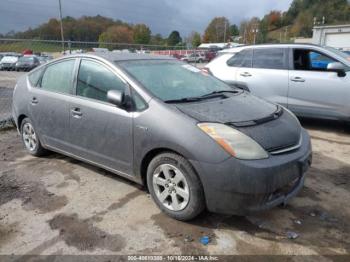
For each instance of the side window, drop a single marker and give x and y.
(319, 61)
(58, 77)
(35, 76)
(241, 59)
(94, 81)
(270, 58)
(310, 60)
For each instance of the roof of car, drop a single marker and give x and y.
(113, 57)
(239, 48)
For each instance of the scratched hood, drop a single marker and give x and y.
(268, 124)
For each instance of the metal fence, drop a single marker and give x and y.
(53, 49)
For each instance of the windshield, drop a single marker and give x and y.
(173, 80)
(9, 59)
(338, 52)
(26, 59)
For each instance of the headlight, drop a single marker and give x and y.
(234, 142)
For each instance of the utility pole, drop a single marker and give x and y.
(286, 34)
(225, 32)
(255, 32)
(62, 35)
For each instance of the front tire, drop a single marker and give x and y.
(175, 187)
(30, 139)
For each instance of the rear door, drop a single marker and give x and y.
(49, 103)
(266, 75)
(99, 131)
(314, 91)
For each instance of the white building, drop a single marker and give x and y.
(337, 36)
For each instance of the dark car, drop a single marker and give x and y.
(27, 63)
(193, 140)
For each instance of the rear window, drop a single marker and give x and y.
(241, 59)
(270, 58)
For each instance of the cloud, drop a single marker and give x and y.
(162, 16)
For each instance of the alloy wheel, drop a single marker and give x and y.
(29, 137)
(171, 187)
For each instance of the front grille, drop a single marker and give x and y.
(287, 149)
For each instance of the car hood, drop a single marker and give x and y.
(268, 124)
(235, 109)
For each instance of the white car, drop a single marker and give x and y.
(310, 80)
(8, 62)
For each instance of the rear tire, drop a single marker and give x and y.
(30, 139)
(175, 186)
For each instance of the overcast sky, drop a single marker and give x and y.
(161, 16)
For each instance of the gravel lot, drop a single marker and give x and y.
(58, 205)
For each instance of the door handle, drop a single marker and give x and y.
(76, 112)
(297, 79)
(246, 74)
(34, 101)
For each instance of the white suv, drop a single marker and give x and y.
(310, 80)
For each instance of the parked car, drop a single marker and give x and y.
(177, 56)
(27, 63)
(310, 80)
(8, 62)
(194, 58)
(193, 140)
(210, 55)
(44, 59)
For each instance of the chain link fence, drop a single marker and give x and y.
(46, 50)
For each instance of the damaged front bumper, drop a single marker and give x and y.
(241, 187)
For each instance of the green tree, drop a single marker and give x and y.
(218, 30)
(174, 38)
(142, 34)
(234, 31)
(157, 40)
(195, 39)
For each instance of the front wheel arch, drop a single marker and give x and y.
(148, 158)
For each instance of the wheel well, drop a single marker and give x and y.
(19, 122)
(148, 158)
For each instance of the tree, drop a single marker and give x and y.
(234, 31)
(157, 40)
(142, 34)
(218, 30)
(250, 30)
(117, 34)
(174, 38)
(274, 19)
(195, 39)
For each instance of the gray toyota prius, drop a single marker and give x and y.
(194, 141)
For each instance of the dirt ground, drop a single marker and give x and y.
(58, 205)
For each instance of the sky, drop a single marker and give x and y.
(162, 16)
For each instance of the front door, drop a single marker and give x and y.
(100, 132)
(314, 91)
(49, 104)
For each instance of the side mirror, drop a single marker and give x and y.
(115, 97)
(337, 68)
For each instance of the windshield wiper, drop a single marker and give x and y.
(183, 100)
(199, 98)
(221, 92)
